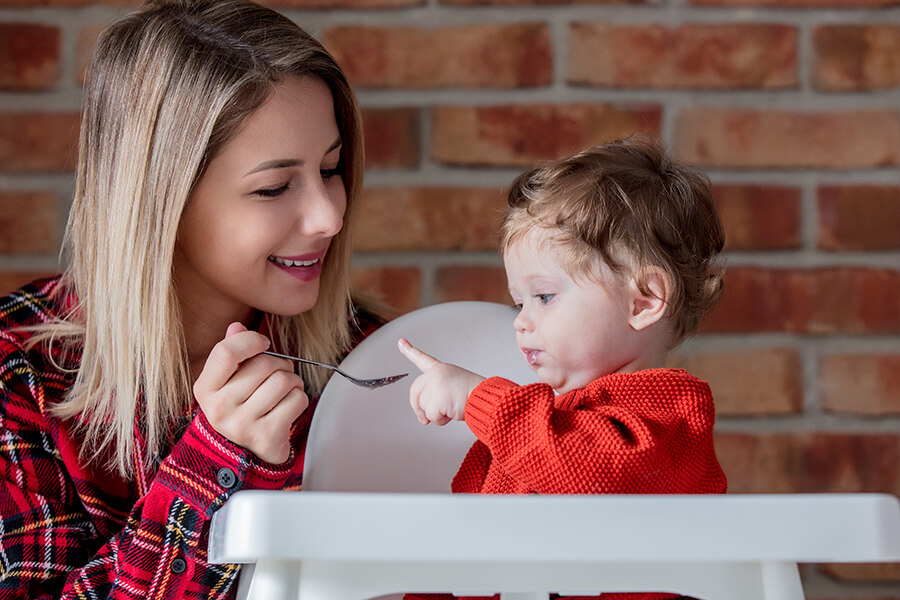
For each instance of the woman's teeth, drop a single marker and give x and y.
(293, 263)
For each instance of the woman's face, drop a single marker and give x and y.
(255, 232)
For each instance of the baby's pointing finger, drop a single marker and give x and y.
(422, 360)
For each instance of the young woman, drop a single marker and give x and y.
(220, 160)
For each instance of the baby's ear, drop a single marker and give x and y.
(648, 306)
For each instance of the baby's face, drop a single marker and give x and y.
(570, 330)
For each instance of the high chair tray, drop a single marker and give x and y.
(312, 545)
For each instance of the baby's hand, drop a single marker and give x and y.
(440, 393)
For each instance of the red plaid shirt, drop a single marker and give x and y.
(69, 530)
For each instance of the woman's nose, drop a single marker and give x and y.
(322, 210)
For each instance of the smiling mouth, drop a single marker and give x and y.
(293, 263)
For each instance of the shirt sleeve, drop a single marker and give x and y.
(51, 547)
(56, 540)
(650, 444)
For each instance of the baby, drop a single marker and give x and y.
(611, 260)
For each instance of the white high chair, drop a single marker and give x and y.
(375, 516)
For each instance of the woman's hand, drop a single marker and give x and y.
(251, 399)
(440, 393)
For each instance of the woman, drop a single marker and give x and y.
(220, 160)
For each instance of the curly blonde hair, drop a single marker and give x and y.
(627, 203)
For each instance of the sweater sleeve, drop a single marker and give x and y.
(52, 543)
(621, 434)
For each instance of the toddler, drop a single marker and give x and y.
(611, 260)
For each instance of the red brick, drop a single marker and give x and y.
(87, 38)
(825, 588)
(399, 288)
(341, 4)
(493, 56)
(824, 300)
(736, 137)
(29, 223)
(810, 462)
(886, 572)
(800, 3)
(391, 137)
(691, 56)
(860, 384)
(521, 135)
(67, 3)
(856, 57)
(38, 141)
(29, 56)
(471, 282)
(749, 382)
(277, 4)
(759, 217)
(429, 218)
(539, 2)
(13, 280)
(859, 217)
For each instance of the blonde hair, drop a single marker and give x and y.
(168, 87)
(629, 205)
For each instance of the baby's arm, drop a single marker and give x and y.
(440, 393)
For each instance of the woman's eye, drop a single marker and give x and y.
(544, 298)
(272, 192)
(329, 173)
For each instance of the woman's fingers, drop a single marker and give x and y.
(234, 328)
(268, 435)
(252, 399)
(228, 354)
(261, 371)
(266, 396)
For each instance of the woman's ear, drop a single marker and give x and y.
(648, 306)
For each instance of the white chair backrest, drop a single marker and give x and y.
(369, 440)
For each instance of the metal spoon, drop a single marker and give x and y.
(366, 383)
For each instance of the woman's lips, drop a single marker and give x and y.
(305, 267)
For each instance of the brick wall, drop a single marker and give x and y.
(791, 106)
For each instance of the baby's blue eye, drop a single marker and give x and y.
(544, 298)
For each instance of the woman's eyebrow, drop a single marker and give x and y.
(280, 163)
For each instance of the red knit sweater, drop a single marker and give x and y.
(630, 433)
(648, 432)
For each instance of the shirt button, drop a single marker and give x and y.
(179, 565)
(226, 478)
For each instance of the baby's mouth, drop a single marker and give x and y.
(531, 355)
